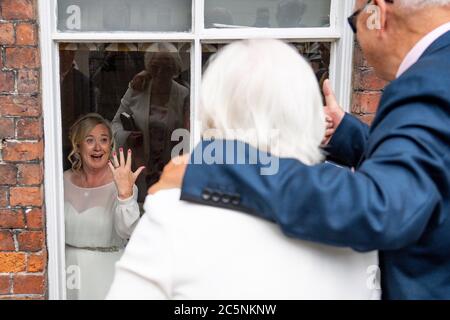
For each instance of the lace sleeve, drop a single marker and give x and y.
(127, 215)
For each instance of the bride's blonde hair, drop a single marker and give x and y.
(79, 131)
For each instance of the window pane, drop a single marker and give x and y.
(149, 81)
(124, 15)
(317, 53)
(267, 13)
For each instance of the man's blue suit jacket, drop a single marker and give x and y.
(397, 201)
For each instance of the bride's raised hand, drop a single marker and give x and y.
(124, 177)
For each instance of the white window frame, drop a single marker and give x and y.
(339, 34)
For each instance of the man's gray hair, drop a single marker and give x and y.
(419, 4)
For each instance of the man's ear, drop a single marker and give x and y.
(382, 12)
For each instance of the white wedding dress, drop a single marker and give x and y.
(97, 226)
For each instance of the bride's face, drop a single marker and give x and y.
(95, 149)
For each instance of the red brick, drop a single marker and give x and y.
(20, 106)
(26, 34)
(18, 9)
(29, 129)
(22, 58)
(6, 33)
(6, 128)
(367, 80)
(28, 81)
(22, 297)
(4, 284)
(25, 196)
(12, 262)
(8, 174)
(31, 241)
(11, 219)
(4, 197)
(6, 241)
(35, 219)
(359, 59)
(29, 174)
(28, 284)
(36, 262)
(6, 81)
(22, 151)
(365, 102)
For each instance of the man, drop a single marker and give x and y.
(398, 199)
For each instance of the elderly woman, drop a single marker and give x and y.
(182, 250)
(100, 208)
(157, 108)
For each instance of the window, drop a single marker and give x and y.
(124, 15)
(267, 14)
(105, 43)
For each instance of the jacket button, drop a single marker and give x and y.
(235, 199)
(216, 196)
(226, 199)
(206, 194)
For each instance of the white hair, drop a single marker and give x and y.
(166, 48)
(264, 86)
(419, 4)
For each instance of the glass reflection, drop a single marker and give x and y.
(317, 53)
(139, 94)
(124, 15)
(158, 105)
(267, 13)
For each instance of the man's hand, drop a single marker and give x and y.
(172, 175)
(333, 113)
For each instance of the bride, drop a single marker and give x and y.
(183, 250)
(100, 208)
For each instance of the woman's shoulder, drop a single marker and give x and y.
(181, 89)
(67, 175)
(70, 181)
(71, 176)
(166, 208)
(163, 199)
(70, 188)
(134, 94)
(163, 206)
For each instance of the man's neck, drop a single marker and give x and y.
(414, 30)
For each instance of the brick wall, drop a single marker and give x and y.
(23, 257)
(367, 88)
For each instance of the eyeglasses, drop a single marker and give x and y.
(352, 19)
